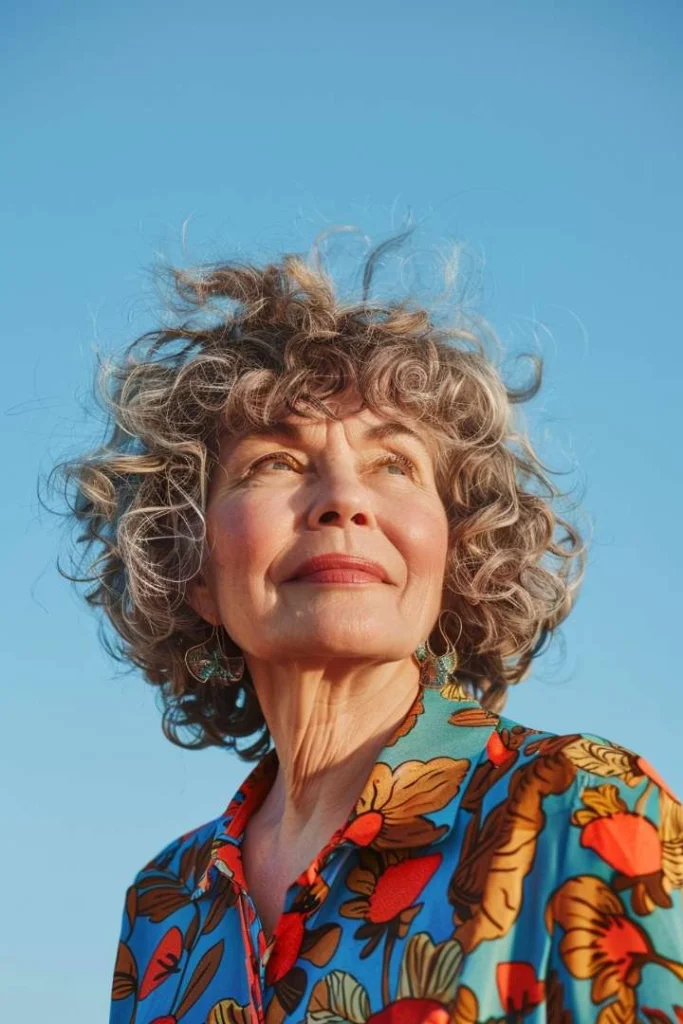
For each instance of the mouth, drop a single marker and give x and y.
(339, 569)
(354, 576)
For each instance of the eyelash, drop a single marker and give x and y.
(395, 458)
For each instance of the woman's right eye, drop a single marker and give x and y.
(277, 457)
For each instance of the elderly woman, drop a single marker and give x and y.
(318, 528)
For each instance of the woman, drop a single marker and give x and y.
(316, 524)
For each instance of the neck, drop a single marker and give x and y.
(328, 727)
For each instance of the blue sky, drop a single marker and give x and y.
(546, 139)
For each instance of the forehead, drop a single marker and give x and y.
(359, 421)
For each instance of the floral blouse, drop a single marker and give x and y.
(488, 873)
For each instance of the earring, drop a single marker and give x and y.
(435, 669)
(207, 662)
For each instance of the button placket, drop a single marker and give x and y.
(256, 973)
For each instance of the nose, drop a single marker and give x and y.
(341, 500)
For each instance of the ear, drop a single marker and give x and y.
(200, 597)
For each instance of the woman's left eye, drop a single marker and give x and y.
(396, 459)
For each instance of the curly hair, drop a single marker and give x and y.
(286, 344)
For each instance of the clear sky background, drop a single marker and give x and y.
(544, 137)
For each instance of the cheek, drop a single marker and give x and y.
(245, 536)
(423, 539)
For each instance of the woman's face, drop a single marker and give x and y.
(359, 486)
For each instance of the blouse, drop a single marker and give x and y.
(489, 872)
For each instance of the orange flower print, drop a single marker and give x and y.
(497, 752)
(286, 949)
(163, 962)
(291, 944)
(391, 811)
(411, 1011)
(628, 842)
(388, 885)
(519, 989)
(600, 942)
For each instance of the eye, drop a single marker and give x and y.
(396, 459)
(273, 457)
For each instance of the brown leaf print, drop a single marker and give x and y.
(555, 1000)
(149, 881)
(229, 1011)
(160, 902)
(473, 717)
(191, 933)
(454, 690)
(320, 944)
(466, 1007)
(484, 776)
(339, 995)
(486, 888)
(409, 722)
(429, 970)
(223, 898)
(125, 973)
(201, 977)
(290, 990)
(671, 834)
(131, 906)
(607, 761)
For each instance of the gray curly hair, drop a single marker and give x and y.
(138, 500)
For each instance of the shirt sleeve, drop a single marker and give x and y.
(150, 943)
(158, 925)
(123, 979)
(615, 915)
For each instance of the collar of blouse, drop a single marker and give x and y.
(412, 793)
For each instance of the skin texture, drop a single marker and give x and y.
(333, 665)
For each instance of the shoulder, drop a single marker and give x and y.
(181, 860)
(163, 886)
(583, 766)
(609, 862)
(156, 919)
(611, 826)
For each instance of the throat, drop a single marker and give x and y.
(270, 871)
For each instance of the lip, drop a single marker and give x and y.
(321, 563)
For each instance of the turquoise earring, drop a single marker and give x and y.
(207, 662)
(435, 669)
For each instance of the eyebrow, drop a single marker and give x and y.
(376, 432)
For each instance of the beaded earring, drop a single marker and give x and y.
(435, 669)
(208, 662)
